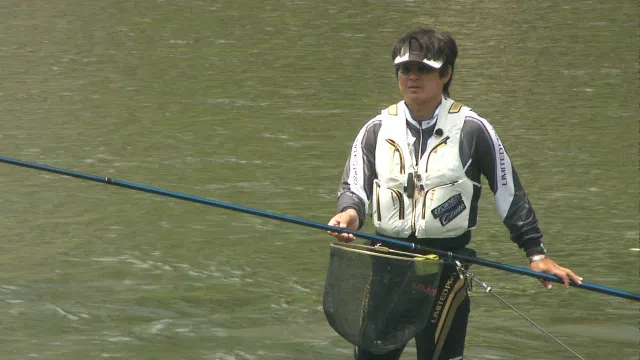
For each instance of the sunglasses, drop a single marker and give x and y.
(406, 69)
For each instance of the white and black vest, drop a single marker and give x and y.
(432, 199)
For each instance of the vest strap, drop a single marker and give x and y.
(455, 108)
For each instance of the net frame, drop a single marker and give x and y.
(381, 307)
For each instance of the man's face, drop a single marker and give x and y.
(419, 82)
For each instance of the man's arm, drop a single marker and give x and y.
(511, 201)
(359, 172)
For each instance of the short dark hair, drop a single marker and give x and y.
(434, 45)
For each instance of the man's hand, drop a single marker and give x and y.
(549, 266)
(347, 219)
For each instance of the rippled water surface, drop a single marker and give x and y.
(256, 103)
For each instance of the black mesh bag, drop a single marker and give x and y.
(377, 298)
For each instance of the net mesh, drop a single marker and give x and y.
(378, 298)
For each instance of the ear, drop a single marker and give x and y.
(447, 76)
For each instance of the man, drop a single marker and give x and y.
(418, 166)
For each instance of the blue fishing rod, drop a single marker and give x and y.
(384, 240)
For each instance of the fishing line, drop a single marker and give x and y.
(376, 238)
(465, 273)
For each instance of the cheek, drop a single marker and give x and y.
(434, 83)
(403, 83)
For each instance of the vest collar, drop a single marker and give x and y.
(424, 123)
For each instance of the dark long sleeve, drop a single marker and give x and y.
(359, 172)
(486, 155)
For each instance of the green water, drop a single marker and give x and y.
(256, 103)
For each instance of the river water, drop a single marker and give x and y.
(256, 103)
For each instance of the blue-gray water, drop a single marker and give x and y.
(256, 103)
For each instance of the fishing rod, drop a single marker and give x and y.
(471, 278)
(385, 240)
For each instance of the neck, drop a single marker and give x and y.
(423, 110)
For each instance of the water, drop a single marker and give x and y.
(256, 103)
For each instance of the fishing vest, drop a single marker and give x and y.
(431, 199)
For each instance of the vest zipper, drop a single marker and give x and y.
(441, 142)
(397, 149)
(414, 200)
(426, 168)
(378, 202)
(400, 203)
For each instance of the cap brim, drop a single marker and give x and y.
(419, 58)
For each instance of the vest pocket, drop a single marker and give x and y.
(444, 211)
(389, 211)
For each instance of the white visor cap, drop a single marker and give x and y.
(405, 56)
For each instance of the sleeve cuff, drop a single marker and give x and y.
(531, 244)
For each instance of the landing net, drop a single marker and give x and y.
(378, 298)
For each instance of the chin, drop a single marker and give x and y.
(417, 98)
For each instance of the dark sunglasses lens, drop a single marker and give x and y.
(405, 69)
(425, 69)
